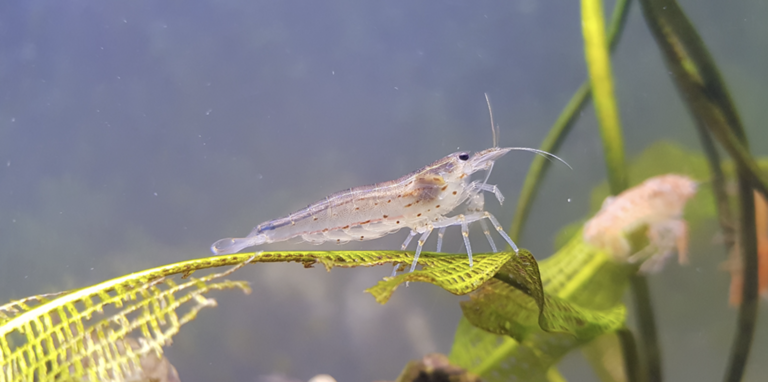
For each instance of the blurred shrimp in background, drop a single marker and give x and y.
(657, 203)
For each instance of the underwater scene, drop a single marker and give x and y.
(292, 191)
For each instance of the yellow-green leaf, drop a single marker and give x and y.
(450, 272)
(502, 309)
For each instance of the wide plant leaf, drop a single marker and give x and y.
(504, 335)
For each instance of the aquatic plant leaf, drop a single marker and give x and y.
(502, 309)
(499, 358)
(578, 275)
(450, 272)
(15, 307)
(106, 332)
(50, 340)
(597, 54)
(604, 354)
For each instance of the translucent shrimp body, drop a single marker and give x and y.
(420, 201)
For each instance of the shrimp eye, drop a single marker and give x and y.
(464, 156)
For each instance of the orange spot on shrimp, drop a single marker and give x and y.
(462, 176)
(397, 222)
(345, 227)
(365, 222)
(444, 188)
(385, 216)
(357, 208)
(408, 205)
(389, 201)
(361, 237)
(437, 206)
(325, 229)
(454, 192)
(418, 215)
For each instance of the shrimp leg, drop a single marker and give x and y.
(404, 246)
(476, 204)
(465, 220)
(487, 233)
(440, 234)
(477, 186)
(422, 239)
(465, 235)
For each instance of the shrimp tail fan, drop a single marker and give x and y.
(234, 245)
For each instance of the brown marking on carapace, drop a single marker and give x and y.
(357, 208)
(418, 215)
(325, 229)
(454, 192)
(397, 222)
(376, 204)
(408, 205)
(400, 195)
(437, 206)
(338, 240)
(345, 227)
(314, 218)
(385, 216)
(365, 222)
(462, 176)
(444, 188)
(389, 201)
(362, 237)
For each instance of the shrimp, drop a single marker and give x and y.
(658, 203)
(420, 201)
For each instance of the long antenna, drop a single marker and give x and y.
(494, 128)
(495, 136)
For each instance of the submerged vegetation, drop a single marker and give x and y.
(522, 316)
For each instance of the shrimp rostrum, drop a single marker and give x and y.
(421, 201)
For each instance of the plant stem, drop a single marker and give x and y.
(599, 67)
(707, 97)
(725, 217)
(747, 318)
(561, 128)
(647, 327)
(629, 349)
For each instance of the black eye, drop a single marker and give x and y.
(464, 156)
